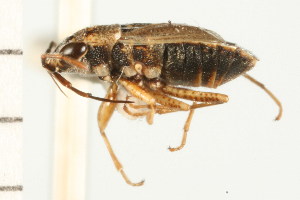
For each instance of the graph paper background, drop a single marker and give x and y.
(11, 179)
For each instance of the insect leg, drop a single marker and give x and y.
(135, 107)
(67, 84)
(172, 105)
(187, 124)
(159, 109)
(164, 110)
(185, 130)
(259, 84)
(208, 98)
(104, 114)
(192, 95)
(135, 114)
(169, 102)
(142, 94)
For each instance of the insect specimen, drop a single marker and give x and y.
(149, 68)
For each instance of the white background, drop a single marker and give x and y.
(233, 151)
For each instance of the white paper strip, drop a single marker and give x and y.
(71, 115)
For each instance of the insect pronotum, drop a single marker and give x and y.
(148, 67)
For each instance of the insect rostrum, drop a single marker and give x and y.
(148, 67)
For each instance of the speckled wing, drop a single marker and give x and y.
(168, 33)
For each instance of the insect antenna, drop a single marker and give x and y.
(67, 84)
(57, 84)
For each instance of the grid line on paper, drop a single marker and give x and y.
(11, 52)
(12, 188)
(11, 119)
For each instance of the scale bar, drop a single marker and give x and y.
(11, 52)
(11, 119)
(13, 188)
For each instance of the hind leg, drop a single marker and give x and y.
(259, 84)
(206, 97)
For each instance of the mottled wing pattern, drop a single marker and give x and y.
(168, 33)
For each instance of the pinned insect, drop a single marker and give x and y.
(149, 67)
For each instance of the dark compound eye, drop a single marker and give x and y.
(74, 50)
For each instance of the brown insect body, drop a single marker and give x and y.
(149, 62)
(174, 54)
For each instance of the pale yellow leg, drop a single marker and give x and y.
(208, 98)
(164, 110)
(262, 86)
(104, 114)
(195, 95)
(135, 114)
(142, 94)
(185, 130)
(188, 123)
(169, 104)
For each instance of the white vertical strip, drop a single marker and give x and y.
(11, 178)
(71, 115)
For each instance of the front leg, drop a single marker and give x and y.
(104, 114)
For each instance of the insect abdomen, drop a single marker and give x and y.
(203, 65)
(181, 63)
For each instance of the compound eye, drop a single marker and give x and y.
(74, 50)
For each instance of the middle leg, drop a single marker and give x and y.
(208, 99)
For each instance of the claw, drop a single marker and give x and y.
(172, 149)
(129, 182)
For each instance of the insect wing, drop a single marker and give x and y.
(169, 33)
